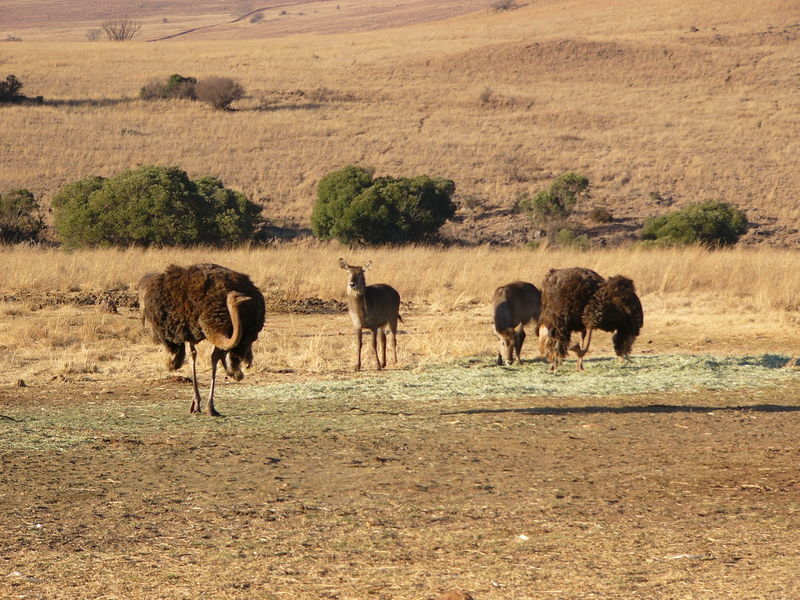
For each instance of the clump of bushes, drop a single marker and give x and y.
(176, 86)
(9, 89)
(20, 217)
(219, 92)
(552, 206)
(356, 209)
(710, 223)
(153, 206)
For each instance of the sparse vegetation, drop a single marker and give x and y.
(219, 92)
(551, 207)
(176, 86)
(121, 30)
(503, 5)
(567, 238)
(152, 205)
(601, 214)
(709, 223)
(354, 208)
(20, 217)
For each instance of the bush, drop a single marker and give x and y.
(556, 203)
(566, 238)
(176, 86)
(354, 208)
(708, 223)
(501, 5)
(121, 30)
(9, 89)
(152, 205)
(20, 217)
(219, 92)
(600, 214)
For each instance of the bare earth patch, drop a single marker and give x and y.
(110, 489)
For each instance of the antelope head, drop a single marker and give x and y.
(356, 282)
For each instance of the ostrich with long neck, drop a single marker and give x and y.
(203, 302)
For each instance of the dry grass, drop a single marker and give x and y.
(624, 92)
(445, 279)
(727, 302)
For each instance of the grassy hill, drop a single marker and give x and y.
(659, 105)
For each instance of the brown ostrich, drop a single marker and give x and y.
(614, 307)
(565, 294)
(515, 305)
(203, 302)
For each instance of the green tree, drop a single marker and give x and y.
(355, 209)
(227, 215)
(152, 205)
(335, 192)
(710, 223)
(20, 217)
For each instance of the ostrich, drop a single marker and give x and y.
(203, 302)
(565, 294)
(515, 304)
(614, 307)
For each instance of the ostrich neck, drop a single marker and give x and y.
(219, 340)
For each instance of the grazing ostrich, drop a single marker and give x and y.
(203, 302)
(565, 295)
(372, 307)
(614, 307)
(515, 305)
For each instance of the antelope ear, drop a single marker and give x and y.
(343, 264)
(367, 265)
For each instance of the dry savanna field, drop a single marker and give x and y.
(671, 476)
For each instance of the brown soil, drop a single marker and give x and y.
(696, 496)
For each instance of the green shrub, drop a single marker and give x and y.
(708, 223)
(228, 216)
(152, 205)
(556, 203)
(9, 89)
(354, 208)
(566, 238)
(176, 86)
(20, 217)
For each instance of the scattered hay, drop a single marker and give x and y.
(603, 377)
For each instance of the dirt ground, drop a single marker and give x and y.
(110, 489)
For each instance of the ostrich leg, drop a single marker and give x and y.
(216, 356)
(196, 402)
(586, 339)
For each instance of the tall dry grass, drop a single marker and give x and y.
(725, 302)
(447, 279)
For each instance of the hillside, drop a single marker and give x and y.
(658, 105)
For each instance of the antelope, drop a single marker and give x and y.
(515, 304)
(372, 307)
